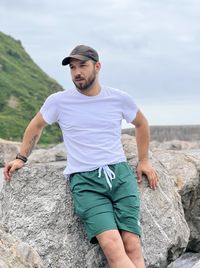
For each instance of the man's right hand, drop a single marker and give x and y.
(11, 167)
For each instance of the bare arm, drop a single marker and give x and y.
(32, 134)
(30, 138)
(142, 134)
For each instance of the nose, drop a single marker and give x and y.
(76, 72)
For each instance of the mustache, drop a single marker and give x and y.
(78, 77)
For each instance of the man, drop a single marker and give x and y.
(103, 186)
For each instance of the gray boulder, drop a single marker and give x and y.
(8, 151)
(184, 168)
(165, 231)
(15, 253)
(56, 153)
(187, 260)
(175, 145)
(36, 206)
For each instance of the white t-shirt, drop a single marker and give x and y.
(91, 126)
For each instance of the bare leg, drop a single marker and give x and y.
(133, 248)
(113, 248)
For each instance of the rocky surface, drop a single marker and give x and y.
(175, 145)
(8, 151)
(15, 253)
(57, 153)
(184, 168)
(1, 178)
(41, 213)
(57, 233)
(170, 133)
(36, 206)
(188, 260)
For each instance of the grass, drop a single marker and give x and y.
(23, 89)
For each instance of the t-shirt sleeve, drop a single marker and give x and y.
(49, 110)
(130, 109)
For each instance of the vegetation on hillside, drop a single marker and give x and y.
(23, 89)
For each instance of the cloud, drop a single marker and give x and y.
(148, 48)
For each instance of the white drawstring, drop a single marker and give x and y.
(109, 174)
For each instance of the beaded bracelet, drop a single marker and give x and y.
(21, 157)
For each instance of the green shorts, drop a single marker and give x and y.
(103, 208)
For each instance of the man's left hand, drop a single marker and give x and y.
(145, 167)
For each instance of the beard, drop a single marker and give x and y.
(84, 84)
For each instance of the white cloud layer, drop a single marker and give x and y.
(147, 48)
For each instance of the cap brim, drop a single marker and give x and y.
(66, 60)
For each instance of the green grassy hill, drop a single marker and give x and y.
(23, 89)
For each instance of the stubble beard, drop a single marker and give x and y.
(85, 85)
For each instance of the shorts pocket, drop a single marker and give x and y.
(124, 172)
(73, 181)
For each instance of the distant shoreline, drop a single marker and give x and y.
(171, 132)
(159, 133)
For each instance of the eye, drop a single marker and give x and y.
(82, 64)
(71, 67)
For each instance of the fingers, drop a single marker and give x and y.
(11, 167)
(6, 172)
(150, 172)
(153, 180)
(139, 176)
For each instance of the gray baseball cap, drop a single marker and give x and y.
(83, 53)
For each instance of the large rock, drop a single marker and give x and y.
(15, 253)
(37, 207)
(8, 151)
(165, 231)
(56, 153)
(184, 168)
(187, 260)
(175, 145)
(158, 210)
(42, 215)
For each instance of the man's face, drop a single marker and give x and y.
(83, 73)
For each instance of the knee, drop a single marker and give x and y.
(110, 244)
(133, 247)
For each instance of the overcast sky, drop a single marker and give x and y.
(149, 48)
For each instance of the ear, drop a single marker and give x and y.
(98, 66)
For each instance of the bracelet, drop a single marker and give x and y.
(21, 157)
